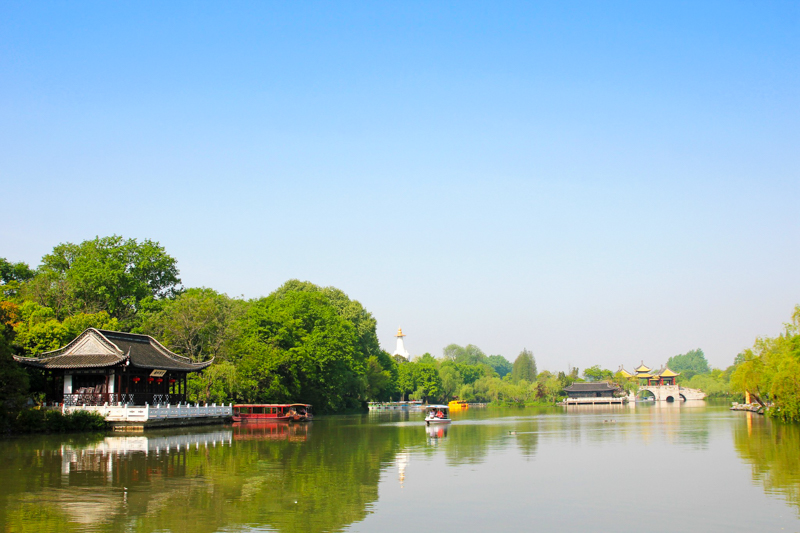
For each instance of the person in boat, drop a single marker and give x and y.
(439, 414)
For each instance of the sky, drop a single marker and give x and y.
(598, 182)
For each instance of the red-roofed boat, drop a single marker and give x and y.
(272, 412)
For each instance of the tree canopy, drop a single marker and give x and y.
(524, 367)
(693, 361)
(770, 371)
(104, 274)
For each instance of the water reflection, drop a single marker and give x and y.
(270, 477)
(436, 434)
(326, 475)
(773, 451)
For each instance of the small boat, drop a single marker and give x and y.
(300, 412)
(437, 414)
(272, 412)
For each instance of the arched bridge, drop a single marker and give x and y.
(673, 393)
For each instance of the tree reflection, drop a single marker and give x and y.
(288, 478)
(772, 451)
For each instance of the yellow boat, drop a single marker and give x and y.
(458, 405)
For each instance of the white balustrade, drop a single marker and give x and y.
(137, 413)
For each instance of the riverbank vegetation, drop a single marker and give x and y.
(302, 342)
(770, 371)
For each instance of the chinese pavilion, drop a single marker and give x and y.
(647, 376)
(112, 367)
(602, 389)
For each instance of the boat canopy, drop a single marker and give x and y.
(437, 407)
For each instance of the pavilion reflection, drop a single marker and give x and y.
(286, 478)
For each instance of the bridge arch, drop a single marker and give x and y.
(669, 399)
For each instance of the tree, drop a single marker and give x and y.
(406, 379)
(13, 381)
(472, 373)
(770, 371)
(217, 383)
(198, 323)
(12, 276)
(524, 367)
(296, 347)
(104, 274)
(552, 388)
(450, 378)
(693, 361)
(500, 364)
(39, 331)
(429, 384)
(595, 373)
(427, 359)
(381, 383)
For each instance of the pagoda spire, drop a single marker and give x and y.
(401, 349)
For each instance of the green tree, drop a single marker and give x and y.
(524, 367)
(39, 331)
(12, 276)
(104, 274)
(500, 364)
(381, 383)
(429, 384)
(406, 379)
(13, 381)
(770, 371)
(472, 373)
(216, 384)
(693, 361)
(296, 347)
(427, 359)
(451, 379)
(595, 373)
(198, 323)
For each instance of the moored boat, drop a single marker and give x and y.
(437, 414)
(272, 412)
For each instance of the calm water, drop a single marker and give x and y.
(655, 468)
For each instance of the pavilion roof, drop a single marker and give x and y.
(591, 387)
(666, 372)
(624, 372)
(642, 368)
(95, 348)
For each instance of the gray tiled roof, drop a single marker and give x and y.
(100, 349)
(591, 387)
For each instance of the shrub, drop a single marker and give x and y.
(51, 421)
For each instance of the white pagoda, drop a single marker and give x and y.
(401, 349)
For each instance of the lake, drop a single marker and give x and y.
(663, 467)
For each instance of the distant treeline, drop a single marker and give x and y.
(301, 343)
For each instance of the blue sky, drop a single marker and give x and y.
(599, 182)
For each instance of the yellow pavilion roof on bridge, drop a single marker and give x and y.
(624, 372)
(642, 368)
(667, 373)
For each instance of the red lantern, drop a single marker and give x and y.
(136, 380)
(159, 380)
(172, 381)
(150, 380)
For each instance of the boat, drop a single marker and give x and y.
(437, 414)
(300, 412)
(458, 405)
(272, 412)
